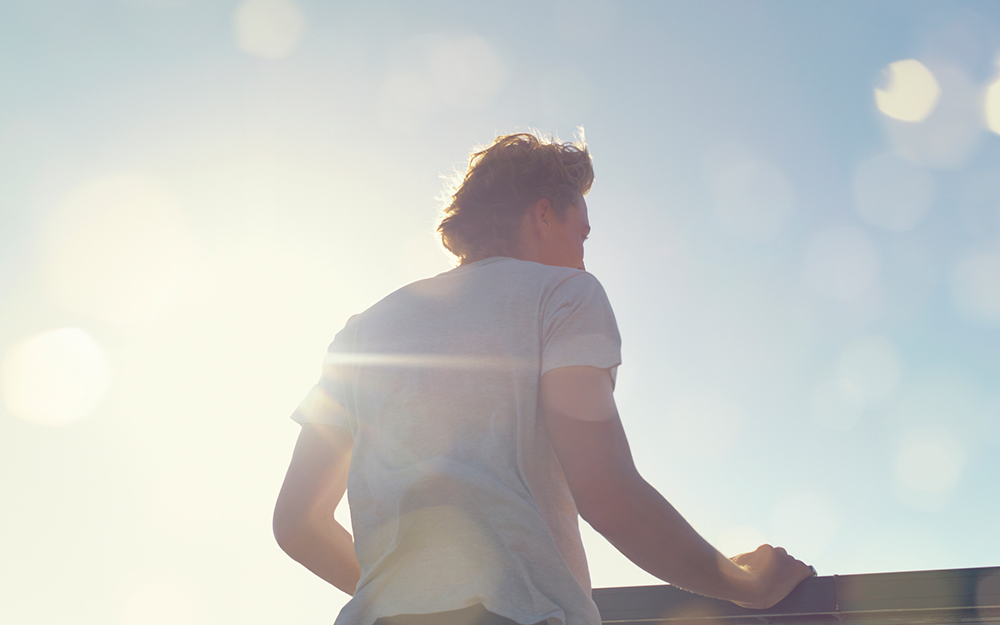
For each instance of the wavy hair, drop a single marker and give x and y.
(483, 213)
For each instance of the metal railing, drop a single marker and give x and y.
(912, 598)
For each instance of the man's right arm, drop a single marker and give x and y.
(588, 438)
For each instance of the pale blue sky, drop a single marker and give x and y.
(194, 198)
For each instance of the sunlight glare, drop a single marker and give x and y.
(975, 288)
(474, 557)
(268, 28)
(947, 138)
(702, 423)
(929, 463)
(608, 567)
(894, 542)
(163, 603)
(841, 263)
(116, 249)
(466, 71)
(837, 404)
(181, 506)
(431, 71)
(891, 192)
(991, 106)
(804, 523)
(912, 92)
(991, 419)
(55, 377)
(873, 367)
(941, 397)
(421, 256)
(343, 515)
(28, 147)
(739, 539)
(405, 102)
(159, 4)
(585, 20)
(753, 198)
(566, 94)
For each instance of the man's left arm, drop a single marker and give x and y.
(315, 483)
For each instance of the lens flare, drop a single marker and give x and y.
(805, 523)
(268, 28)
(948, 136)
(466, 71)
(116, 249)
(430, 72)
(567, 94)
(929, 463)
(163, 603)
(866, 376)
(912, 92)
(975, 288)
(703, 423)
(739, 539)
(991, 106)
(422, 256)
(873, 367)
(753, 198)
(405, 102)
(837, 404)
(181, 506)
(585, 20)
(892, 193)
(55, 377)
(841, 263)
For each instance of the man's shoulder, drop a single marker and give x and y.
(482, 280)
(540, 271)
(489, 273)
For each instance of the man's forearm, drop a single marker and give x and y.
(589, 440)
(327, 550)
(304, 525)
(612, 496)
(652, 534)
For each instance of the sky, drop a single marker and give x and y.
(796, 216)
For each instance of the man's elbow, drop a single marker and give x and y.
(287, 529)
(608, 513)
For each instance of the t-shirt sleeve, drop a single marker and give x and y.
(579, 328)
(330, 401)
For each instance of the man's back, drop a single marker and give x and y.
(453, 477)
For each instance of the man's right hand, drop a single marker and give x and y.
(775, 574)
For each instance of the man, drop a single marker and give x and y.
(471, 416)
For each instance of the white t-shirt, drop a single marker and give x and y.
(456, 496)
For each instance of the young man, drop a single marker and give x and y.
(471, 418)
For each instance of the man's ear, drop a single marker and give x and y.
(541, 215)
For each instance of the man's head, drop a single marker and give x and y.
(486, 212)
